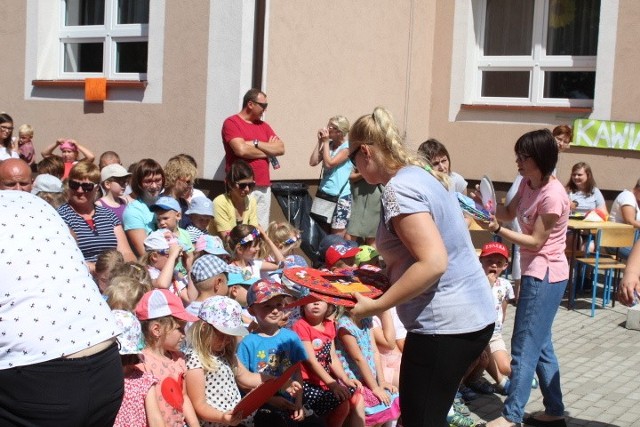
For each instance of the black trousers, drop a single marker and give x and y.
(86, 391)
(430, 373)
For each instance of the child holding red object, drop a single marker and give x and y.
(163, 319)
(327, 387)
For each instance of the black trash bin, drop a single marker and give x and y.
(295, 202)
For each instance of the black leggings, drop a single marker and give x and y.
(430, 373)
(86, 391)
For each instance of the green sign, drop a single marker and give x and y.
(604, 134)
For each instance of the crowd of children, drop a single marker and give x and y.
(206, 318)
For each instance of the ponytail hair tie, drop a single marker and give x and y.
(428, 168)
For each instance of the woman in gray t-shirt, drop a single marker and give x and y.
(440, 290)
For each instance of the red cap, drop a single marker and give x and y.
(338, 252)
(494, 248)
(161, 303)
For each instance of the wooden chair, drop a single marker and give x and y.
(600, 259)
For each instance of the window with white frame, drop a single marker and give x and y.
(536, 52)
(107, 38)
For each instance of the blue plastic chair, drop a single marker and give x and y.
(612, 238)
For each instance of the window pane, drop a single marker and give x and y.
(131, 57)
(83, 57)
(507, 84)
(573, 29)
(572, 85)
(84, 12)
(133, 11)
(508, 27)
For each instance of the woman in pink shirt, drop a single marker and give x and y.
(541, 207)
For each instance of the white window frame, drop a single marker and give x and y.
(43, 60)
(537, 64)
(109, 34)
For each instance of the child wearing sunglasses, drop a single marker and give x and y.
(287, 239)
(237, 205)
(114, 179)
(244, 242)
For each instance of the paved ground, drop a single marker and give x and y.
(599, 368)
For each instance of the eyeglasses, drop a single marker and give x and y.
(187, 182)
(122, 182)
(147, 182)
(10, 128)
(521, 157)
(87, 187)
(264, 105)
(290, 241)
(164, 252)
(245, 185)
(353, 154)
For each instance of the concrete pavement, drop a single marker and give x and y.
(599, 368)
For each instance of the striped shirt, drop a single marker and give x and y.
(92, 241)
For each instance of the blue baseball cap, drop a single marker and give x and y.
(166, 203)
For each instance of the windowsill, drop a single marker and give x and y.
(542, 109)
(129, 84)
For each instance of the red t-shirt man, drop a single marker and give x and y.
(246, 136)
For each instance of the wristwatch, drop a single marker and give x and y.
(255, 143)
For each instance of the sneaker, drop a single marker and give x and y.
(458, 420)
(534, 383)
(504, 390)
(467, 393)
(482, 386)
(460, 407)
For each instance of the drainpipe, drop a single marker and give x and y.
(258, 44)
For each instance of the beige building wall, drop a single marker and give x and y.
(321, 59)
(336, 57)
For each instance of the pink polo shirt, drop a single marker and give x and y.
(549, 199)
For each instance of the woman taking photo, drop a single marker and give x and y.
(437, 283)
(95, 228)
(541, 207)
(332, 150)
(237, 205)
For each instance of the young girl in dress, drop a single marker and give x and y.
(358, 353)
(213, 370)
(244, 242)
(162, 253)
(139, 404)
(163, 320)
(327, 388)
(286, 238)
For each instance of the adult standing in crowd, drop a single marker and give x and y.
(541, 207)
(437, 282)
(365, 209)
(179, 178)
(59, 364)
(147, 181)
(96, 228)
(332, 150)
(15, 174)
(246, 136)
(7, 150)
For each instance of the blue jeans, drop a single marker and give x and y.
(532, 349)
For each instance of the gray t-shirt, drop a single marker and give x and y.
(587, 202)
(461, 301)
